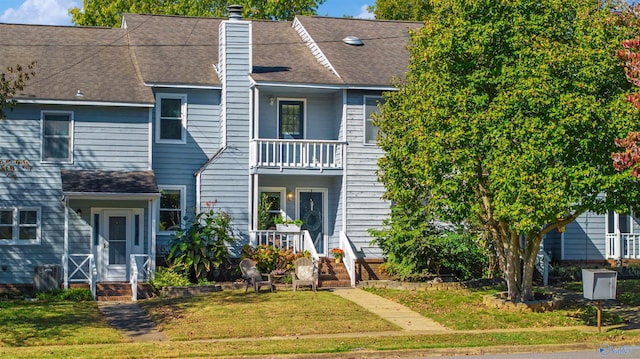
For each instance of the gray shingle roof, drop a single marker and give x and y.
(174, 49)
(114, 182)
(113, 65)
(383, 55)
(95, 61)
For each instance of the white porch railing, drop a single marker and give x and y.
(622, 245)
(276, 153)
(81, 269)
(140, 270)
(349, 257)
(295, 242)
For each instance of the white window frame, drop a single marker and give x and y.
(368, 121)
(183, 204)
(69, 158)
(16, 241)
(183, 117)
(304, 116)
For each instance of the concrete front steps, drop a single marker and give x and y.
(332, 274)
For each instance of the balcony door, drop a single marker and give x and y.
(312, 210)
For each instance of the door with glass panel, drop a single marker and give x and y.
(116, 245)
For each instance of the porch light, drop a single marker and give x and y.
(272, 100)
(290, 196)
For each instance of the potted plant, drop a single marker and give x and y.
(337, 253)
(287, 225)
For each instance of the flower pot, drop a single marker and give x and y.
(288, 228)
(338, 259)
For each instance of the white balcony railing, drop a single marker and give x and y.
(281, 154)
(622, 245)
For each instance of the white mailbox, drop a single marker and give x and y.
(599, 283)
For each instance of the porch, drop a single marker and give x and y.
(301, 242)
(110, 224)
(622, 245)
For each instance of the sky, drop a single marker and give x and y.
(55, 12)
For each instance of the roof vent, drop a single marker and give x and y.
(235, 12)
(352, 40)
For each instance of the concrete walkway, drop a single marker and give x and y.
(132, 321)
(396, 313)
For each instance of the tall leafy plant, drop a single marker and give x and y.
(203, 247)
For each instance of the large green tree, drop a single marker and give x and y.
(109, 12)
(507, 120)
(410, 10)
(11, 81)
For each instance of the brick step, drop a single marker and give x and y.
(332, 274)
(114, 298)
(334, 283)
(113, 291)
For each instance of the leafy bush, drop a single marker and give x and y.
(168, 277)
(270, 259)
(71, 294)
(417, 248)
(203, 247)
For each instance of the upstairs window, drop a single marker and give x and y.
(371, 107)
(291, 117)
(172, 203)
(171, 118)
(19, 226)
(56, 136)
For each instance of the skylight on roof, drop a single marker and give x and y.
(352, 40)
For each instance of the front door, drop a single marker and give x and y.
(312, 210)
(116, 245)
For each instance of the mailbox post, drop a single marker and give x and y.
(599, 284)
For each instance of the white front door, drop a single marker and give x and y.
(113, 256)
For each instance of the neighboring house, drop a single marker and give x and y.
(596, 238)
(131, 130)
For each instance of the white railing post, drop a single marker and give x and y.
(349, 257)
(133, 277)
(65, 271)
(94, 276)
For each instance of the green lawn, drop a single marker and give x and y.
(234, 314)
(25, 323)
(43, 329)
(462, 309)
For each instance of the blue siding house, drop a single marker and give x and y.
(131, 131)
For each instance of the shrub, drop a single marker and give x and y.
(71, 294)
(270, 259)
(202, 248)
(168, 277)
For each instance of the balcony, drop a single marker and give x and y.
(296, 154)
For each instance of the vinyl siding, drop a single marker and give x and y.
(176, 164)
(365, 207)
(103, 138)
(226, 180)
(584, 239)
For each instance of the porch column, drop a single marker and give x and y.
(65, 256)
(153, 210)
